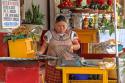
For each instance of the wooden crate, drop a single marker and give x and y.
(21, 48)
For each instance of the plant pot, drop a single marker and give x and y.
(33, 26)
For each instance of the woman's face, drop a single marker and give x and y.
(61, 27)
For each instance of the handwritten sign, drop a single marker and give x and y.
(10, 13)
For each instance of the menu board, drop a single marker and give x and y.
(10, 13)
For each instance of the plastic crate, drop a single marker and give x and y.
(21, 48)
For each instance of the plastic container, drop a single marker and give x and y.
(80, 76)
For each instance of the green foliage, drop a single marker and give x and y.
(14, 37)
(28, 16)
(20, 36)
(94, 5)
(124, 23)
(21, 32)
(105, 7)
(34, 16)
(107, 25)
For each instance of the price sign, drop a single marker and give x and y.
(10, 13)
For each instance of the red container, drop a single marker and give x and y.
(3, 45)
(22, 75)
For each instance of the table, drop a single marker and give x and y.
(21, 63)
(83, 70)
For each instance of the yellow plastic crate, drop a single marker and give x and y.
(21, 48)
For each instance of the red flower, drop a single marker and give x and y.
(78, 2)
(109, 2)
(101, 2)
(95, 0)
(88, 2)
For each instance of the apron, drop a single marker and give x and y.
(58, 46)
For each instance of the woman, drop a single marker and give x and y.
(59, 42)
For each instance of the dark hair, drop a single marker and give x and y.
(60, 18)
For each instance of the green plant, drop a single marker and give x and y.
(21, 32)
(123, 22)
(107, 25)
(34, 16)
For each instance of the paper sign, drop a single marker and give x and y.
(10, 13)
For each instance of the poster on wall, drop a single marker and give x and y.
(10, 13)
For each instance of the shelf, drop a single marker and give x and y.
(90, 11)
(87, 36)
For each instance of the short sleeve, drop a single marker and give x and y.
(47, 36)
(74, 35)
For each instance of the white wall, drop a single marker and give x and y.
(52, 12)
(43, 7)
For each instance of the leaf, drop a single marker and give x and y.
(6, 38)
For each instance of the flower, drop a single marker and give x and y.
(109, 2)
(88, 2)
(79, 2)
(66, 4)
(95, 1)
(100, 2)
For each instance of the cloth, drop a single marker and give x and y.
(53, 75)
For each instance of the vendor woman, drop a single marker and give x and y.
(59, 42)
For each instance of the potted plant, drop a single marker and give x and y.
(33, 17)
(22, 40)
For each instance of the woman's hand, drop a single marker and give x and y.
(39, 53)
(71, 48)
